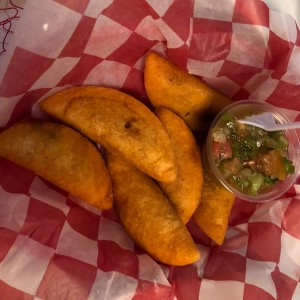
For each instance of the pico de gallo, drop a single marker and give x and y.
(250, 159)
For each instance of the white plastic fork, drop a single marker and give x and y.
(266, 121)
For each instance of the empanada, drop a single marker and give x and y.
(61, 155)
(148, 217)
(171, 87)
(120, 123)
(214, 210)
(184, 193)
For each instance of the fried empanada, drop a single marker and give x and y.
(214, 210)
(184, 193)
(120, 123)
(61, 155)
(147, 215)
(169, 86)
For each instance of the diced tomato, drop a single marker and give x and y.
(221, 150)
(231, 167)
(272, 164)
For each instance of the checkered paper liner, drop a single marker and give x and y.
(52, 246)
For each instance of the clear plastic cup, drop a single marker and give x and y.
(242, 109)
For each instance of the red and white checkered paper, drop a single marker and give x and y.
(54, 247)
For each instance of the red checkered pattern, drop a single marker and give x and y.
(52, 245)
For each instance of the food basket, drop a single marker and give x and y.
(52, 245)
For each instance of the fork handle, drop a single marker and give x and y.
(273, 127)
(285, 126)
